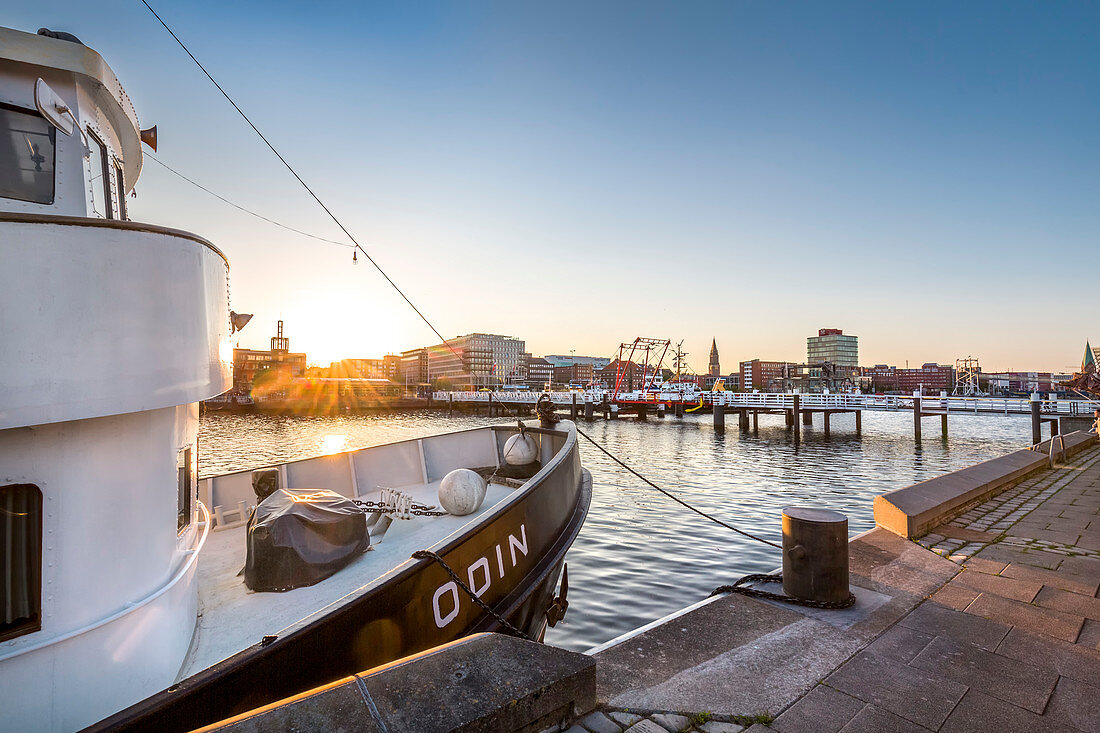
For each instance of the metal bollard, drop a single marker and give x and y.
(815, 554)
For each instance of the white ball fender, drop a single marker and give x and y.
(520, 450)
(461, 492)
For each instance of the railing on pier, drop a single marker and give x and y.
(785, 401)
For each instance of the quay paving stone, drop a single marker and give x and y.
(623, 718)
(899, 689)
(717, 726)
(955, 596)
(1010, 680)
(1072, 603)
(981, 565)
(597, 722)
(1027, 617)
(1090, 635)
(1018, 555)
(1054, 578)
(1020, 590)
(671, 721)
(873, 719)
(935, 620)
(981, 712)
(1074, 703)
(646, 726)
(821, 709)
(1089, 566)
(900, 643)
(1069, 660)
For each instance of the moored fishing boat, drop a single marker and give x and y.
(119, 591)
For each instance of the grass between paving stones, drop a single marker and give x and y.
(763, 717)
(700, 718)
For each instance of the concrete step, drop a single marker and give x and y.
(485, 682)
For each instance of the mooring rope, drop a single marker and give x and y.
(542, 407)
(764, 578)
(672, 496)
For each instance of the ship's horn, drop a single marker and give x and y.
(149, 137)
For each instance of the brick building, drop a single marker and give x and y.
(277, 364)
(756, 374)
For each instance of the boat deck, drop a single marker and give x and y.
(233, 618)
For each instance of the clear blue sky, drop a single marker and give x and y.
(922, 175)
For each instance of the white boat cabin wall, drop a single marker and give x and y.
(113, 332)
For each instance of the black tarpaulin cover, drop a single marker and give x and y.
(298, 537)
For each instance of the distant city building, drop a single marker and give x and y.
(1020, 382)
(931, 378)
(730, 382)
(475, 360)
(384, 368)
(632, 375)
(757, 374)
(714, 369)
(573, 374)
(278, 362)
(540, 372)
(596, 362)
(832, 345)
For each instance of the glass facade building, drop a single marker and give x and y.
(832, 345)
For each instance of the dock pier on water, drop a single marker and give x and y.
(796, 408)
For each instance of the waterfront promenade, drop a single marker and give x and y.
(995, 627)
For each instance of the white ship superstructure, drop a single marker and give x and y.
(112, 333)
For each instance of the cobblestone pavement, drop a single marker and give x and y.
(612, 720)
(1011, 518)
(1011, 643)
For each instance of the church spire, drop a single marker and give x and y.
(713, 368)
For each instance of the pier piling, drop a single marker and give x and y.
(614, 412)
(573, 408)
(755, 420)
(815, 554)
(719, 414)
(1036, 419)
(807, 417)
(943, 426)
(825, 421)
(450, 404)
(916, 415)
(795, 399)
(859, 422)
(679, 409)
(743, 420)
(588, 408)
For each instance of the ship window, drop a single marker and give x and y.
(27, 156)
(187, 486)
(21, 560)
(101, 177)
(121, 191)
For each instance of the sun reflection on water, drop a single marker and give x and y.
(333, 444)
